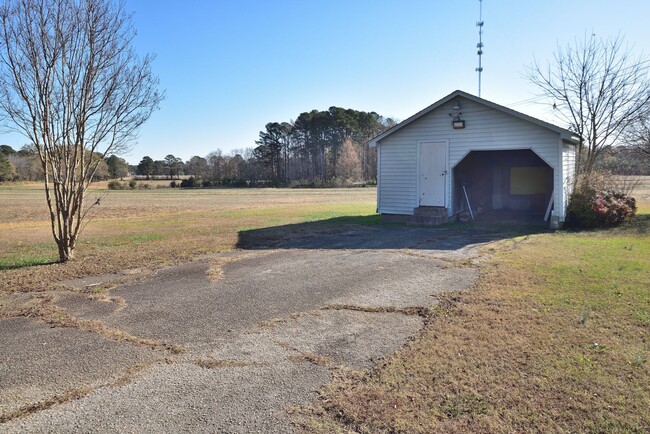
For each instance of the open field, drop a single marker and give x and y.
(642, 193)
(152, 228)
(553, 337)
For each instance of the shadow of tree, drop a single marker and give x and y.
(368, 232)
(27, 263)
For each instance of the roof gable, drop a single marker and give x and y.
(564, 133)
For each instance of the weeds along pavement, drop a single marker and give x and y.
(231, 341)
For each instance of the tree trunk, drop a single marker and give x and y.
(66, 253)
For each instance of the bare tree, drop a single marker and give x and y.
(71, 83)
(639, 138)
(349, 164)
(216, 162)
(598, 89)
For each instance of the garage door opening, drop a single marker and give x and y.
(503, 186)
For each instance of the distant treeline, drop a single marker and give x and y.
(319, 148)
(625, 160)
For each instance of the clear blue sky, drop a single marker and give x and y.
(229, 67)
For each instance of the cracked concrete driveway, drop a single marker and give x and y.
(255, 331)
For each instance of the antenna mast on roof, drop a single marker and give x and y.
(479, 24)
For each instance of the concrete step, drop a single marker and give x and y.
(427, 220)
(430, 211)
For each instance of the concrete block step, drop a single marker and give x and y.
(427, 220)
(433, 211)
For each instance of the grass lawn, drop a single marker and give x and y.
(555, 337)
(152, 228)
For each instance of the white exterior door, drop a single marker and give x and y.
(433, 173)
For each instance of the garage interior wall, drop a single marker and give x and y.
(514, 180)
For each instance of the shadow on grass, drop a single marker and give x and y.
(639, 225)
(369, 232)
(30, 262)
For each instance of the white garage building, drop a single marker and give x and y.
(464, 152)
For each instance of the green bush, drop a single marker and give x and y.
(115, 185)
(234, 182)
(591, 208)
(173, 184)
(190, 182)
(133, 184)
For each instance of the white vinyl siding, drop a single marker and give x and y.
(569, 168)
(398, 168)
(486, 129)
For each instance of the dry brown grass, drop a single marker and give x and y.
(227, 363)
(313, 358)
(554, 338)
(641, 192)
(639, 186)
(70, 395)
(59, 317)
(134, 232)
(152, 228)
(67, 396)
(420, 311)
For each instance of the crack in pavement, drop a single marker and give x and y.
(424, 312)
(57, 316)
(46, 403)
(70, 395)
(261, 331)
(212, 363)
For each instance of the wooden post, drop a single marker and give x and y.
(469, 206)
(550, 204)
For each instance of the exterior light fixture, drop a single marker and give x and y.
(456, 123)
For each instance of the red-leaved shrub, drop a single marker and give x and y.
(590, 208)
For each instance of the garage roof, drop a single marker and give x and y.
(566, 135)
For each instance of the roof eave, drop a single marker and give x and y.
(570, 138)
(565, 134)
(374, 142)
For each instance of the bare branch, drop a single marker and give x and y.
(72, 84)
(600, 91)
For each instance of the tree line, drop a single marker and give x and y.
(246, 167)
(319, 148)
(25, 165)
